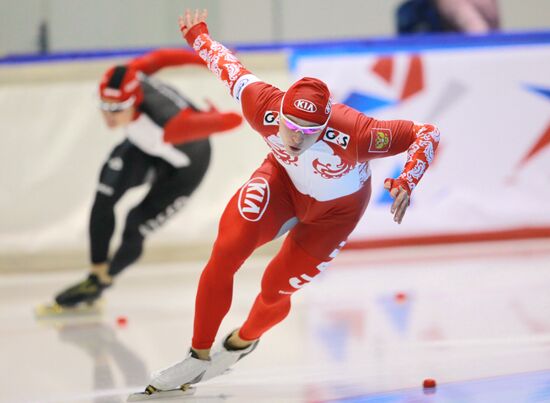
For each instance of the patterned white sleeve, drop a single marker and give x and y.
(223, 64)
(419, 155)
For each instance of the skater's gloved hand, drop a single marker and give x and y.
(401, 198)
(193, 21)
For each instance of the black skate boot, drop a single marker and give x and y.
(87, 291)
(80, 299)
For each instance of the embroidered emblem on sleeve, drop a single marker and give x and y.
(380, 141)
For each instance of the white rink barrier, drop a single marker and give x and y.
(491, 176)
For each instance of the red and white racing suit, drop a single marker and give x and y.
(318, 197)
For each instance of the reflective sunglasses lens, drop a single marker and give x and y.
(116, 106)
(109, 107)
(311, 131)
(291, 125)
(296, 128)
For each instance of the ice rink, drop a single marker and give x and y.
(476, 318)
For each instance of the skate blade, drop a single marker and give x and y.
(161, 394)
(55, 310)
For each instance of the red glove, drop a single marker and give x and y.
(396, 183)
(196, 30)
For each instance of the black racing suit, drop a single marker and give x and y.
(174, 172)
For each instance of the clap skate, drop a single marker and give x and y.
(175, 380)
(178, 379)
(81, 299)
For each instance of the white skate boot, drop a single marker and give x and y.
(175, 380)
(223, 358)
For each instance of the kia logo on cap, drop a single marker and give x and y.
(305, 105)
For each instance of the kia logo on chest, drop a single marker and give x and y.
(305, 105)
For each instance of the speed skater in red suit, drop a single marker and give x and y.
(313, 186)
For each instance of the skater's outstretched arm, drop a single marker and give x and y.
(190, 125)
(253, 94)
(218, 58)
